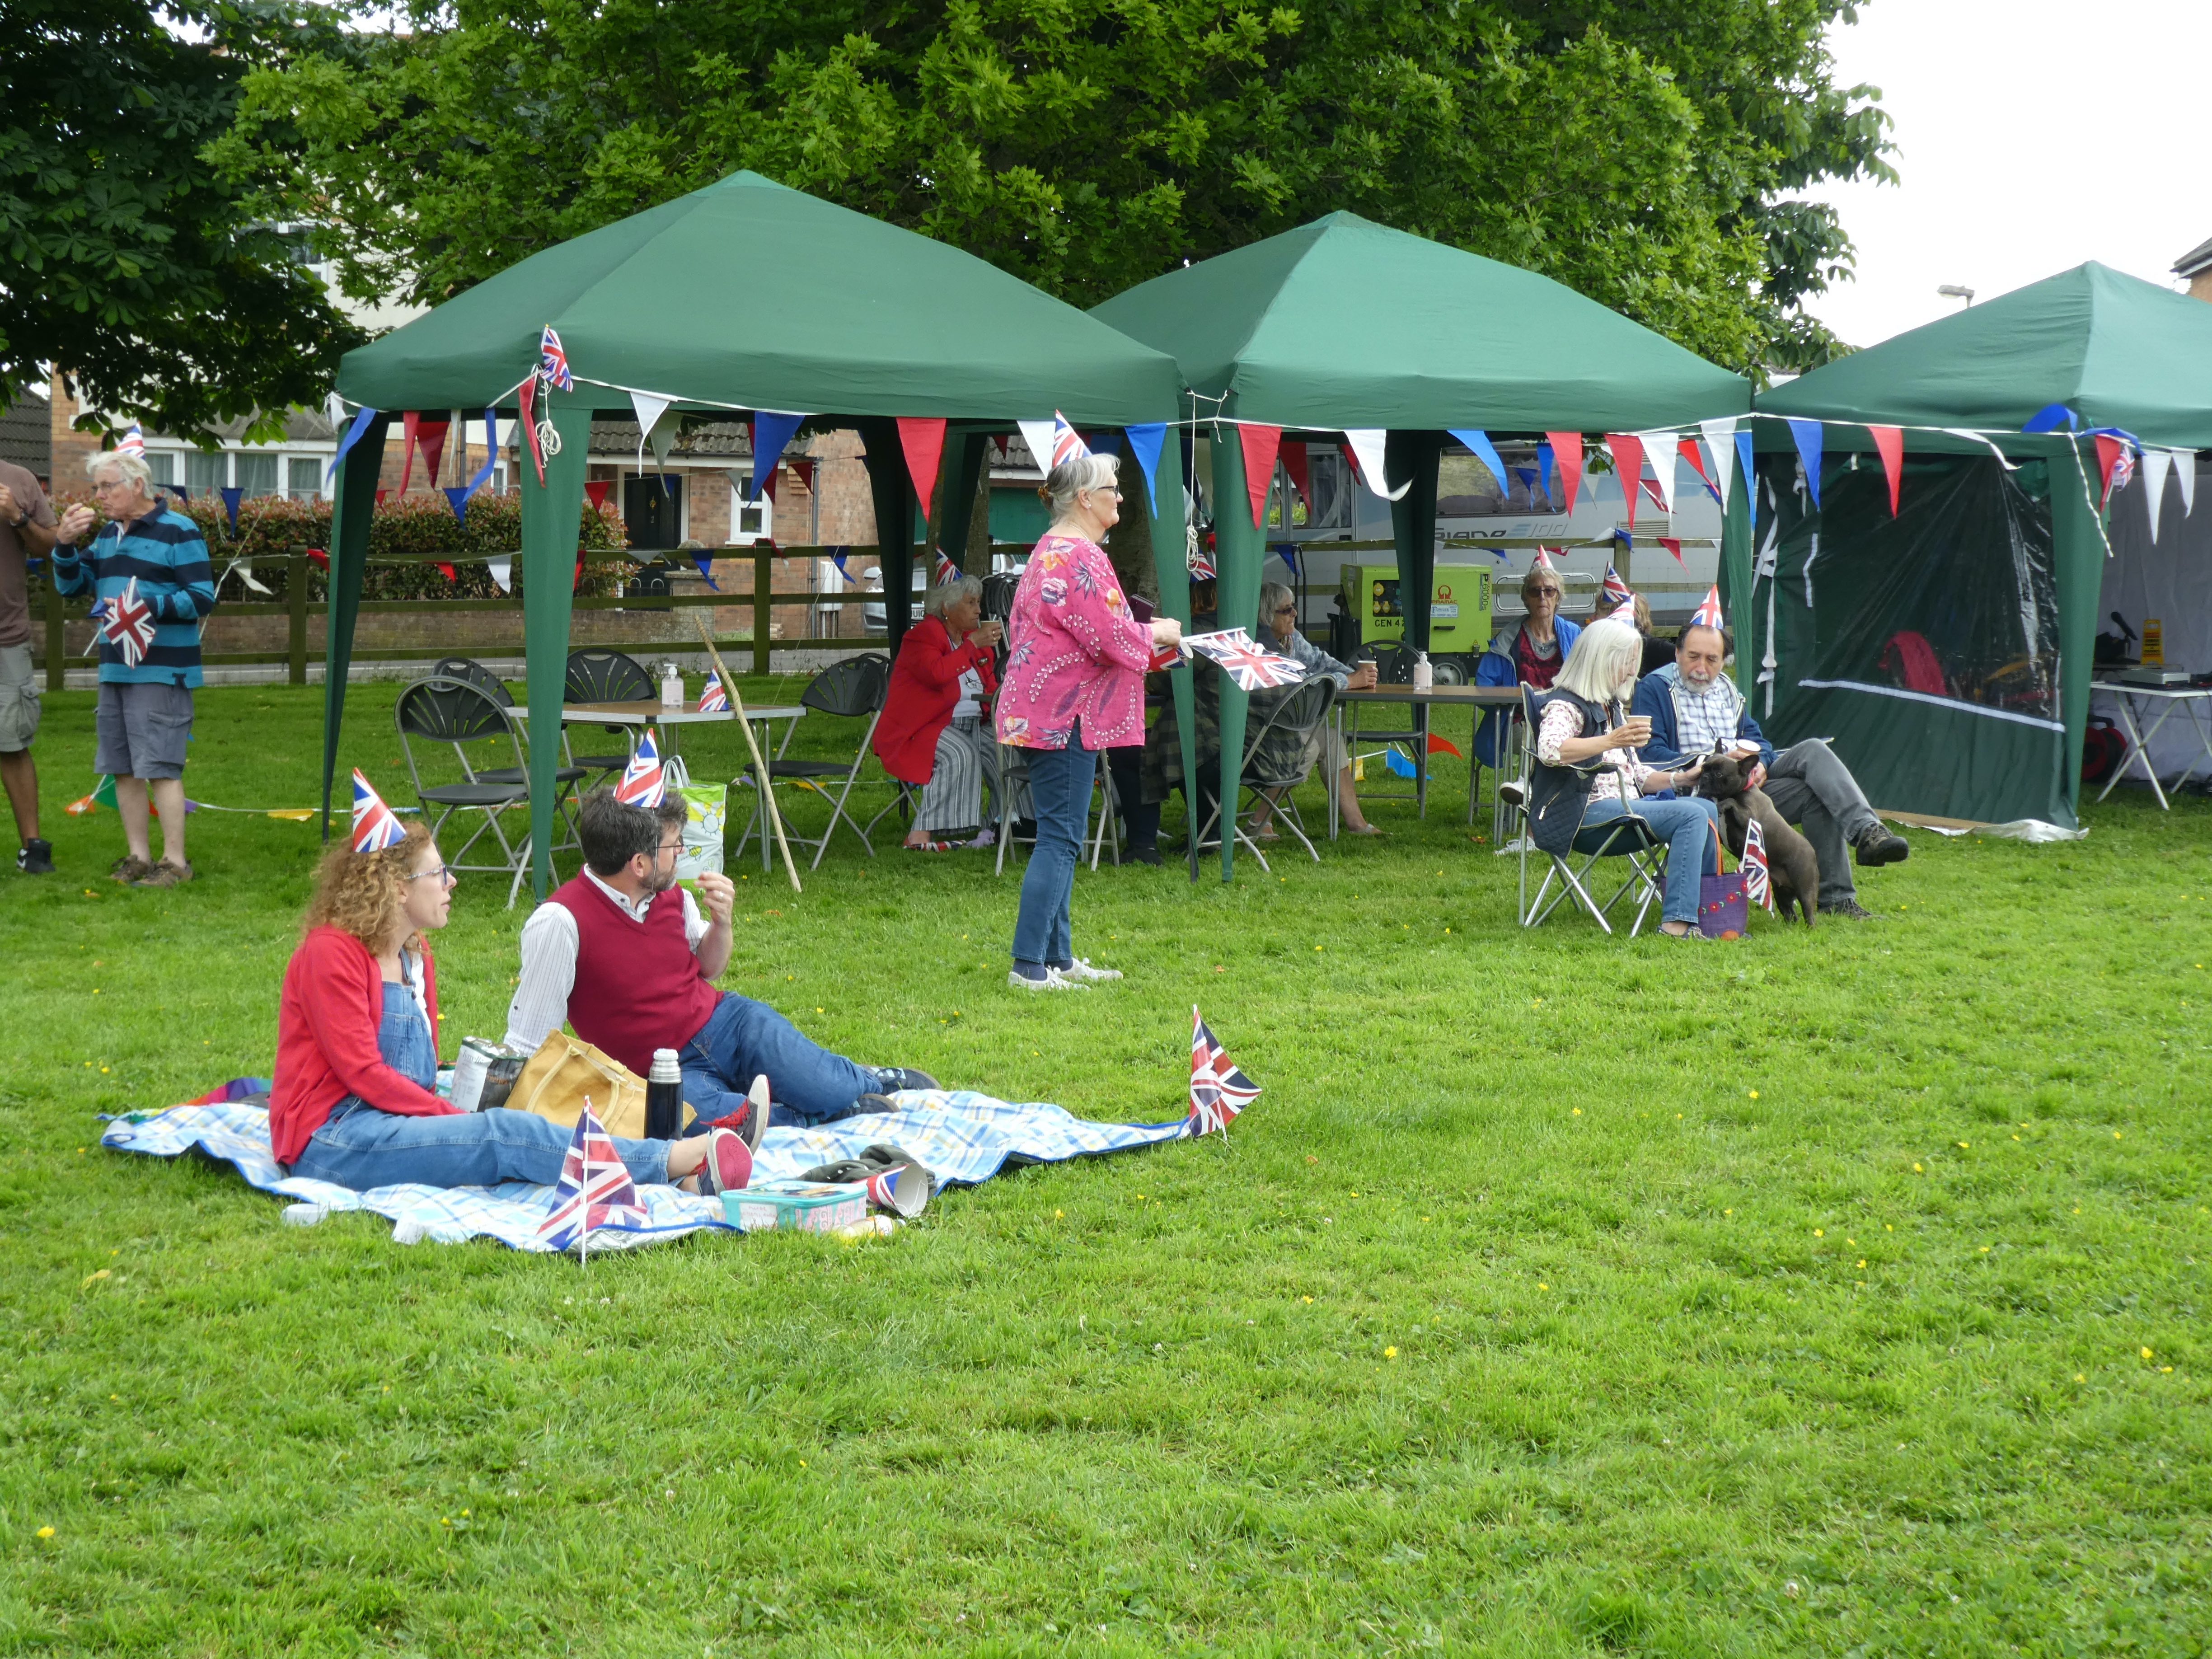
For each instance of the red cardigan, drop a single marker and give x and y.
(326, 1025)
(925, 689)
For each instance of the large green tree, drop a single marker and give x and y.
(1642, 151)
(126, 260)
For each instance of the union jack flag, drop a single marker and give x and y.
(595, 1189)
(946, 571)
(132, 442)
(1245, 661)
(553, 363)
(128, 624)
(2123, 471)
(643, 781)
(1708, 613)
(1218, 1091)
(1758, 886)
(1200, 565)
(374, 828)
(1067, 443)
(1616, 592)
(715, 698)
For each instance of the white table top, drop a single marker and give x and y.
(2125, 689)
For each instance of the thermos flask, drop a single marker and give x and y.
(664, 1097)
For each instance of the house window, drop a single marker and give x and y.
(304, 478)
(206, 471)
(161, 466)
(257, 473)
(749, 522)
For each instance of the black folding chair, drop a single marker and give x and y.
(851, 689)
(598, 675)
(1270, 770)
(1394, 666)
(459, 714)
(567, 774)
(1628, 836)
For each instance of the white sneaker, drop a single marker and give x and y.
(1080, 968)
(1051, 982)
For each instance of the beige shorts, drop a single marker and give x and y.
(19, 699)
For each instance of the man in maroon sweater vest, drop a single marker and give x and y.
(630, 968)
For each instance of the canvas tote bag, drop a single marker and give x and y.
(565, 1069)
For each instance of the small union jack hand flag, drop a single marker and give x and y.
(1708, 613)
(553, 363)
(1758, 882)
(1616, 592)
(594, 1190)
(1244, 662)
(128, 624)
(946, 571)
(1218, 1091)
(1067, 443)
(714, 699)
(644, 781)
(374, 828)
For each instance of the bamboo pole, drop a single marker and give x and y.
(760, 765)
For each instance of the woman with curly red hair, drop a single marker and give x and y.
(357, 1052)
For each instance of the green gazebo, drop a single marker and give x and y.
(744, 295)
(1345, 325)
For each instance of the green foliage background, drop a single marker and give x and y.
(1642, 153)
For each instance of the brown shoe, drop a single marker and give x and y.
(165, 874)
(128, 869)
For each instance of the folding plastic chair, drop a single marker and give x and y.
(1267, 772)
(1628, 836)
(851, 689)
(598, 675)
(568, 774)
(1394, 666)
(462, 716)
(1012, 765)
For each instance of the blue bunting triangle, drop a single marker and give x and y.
(772, 431)
(491, 455)
(459, 495)
(707, 569)
(232, 496)
(1808, 436)
(1479, 442)
(1743, 456)
(2050, 418)
(1146, 443)
(352, 437)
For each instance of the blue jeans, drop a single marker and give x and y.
(742, 1040)
(1059, 795)
(1690, 828)
(361, 1147)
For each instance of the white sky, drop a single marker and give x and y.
(2030, 137)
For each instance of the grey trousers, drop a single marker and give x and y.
(1814, 790)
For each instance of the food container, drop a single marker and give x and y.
(797, 1206)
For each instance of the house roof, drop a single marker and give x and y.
(2199, 258)
(27, 435)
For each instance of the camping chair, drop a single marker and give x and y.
(597, 675)
(1394, 666)
(852, 689)
(1627, 836)
(460, 713)
(1011, 764)
(1270, 771)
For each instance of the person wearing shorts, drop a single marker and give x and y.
(145, 713)
(27, 531)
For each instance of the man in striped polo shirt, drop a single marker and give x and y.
(145, 715)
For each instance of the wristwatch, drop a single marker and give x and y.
(18, 522)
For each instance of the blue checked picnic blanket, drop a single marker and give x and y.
(963, 1137)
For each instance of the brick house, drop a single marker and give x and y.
(2195, 268)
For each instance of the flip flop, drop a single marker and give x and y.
(1364, 830)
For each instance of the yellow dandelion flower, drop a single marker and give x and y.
(45, 1532)
(1389, 1353)
(2078, 1377)
(1818, 1233)
(1543, 1287)
(1917, 1170)
(1753, 1093)
(2146, 1353)
(1578, 1110)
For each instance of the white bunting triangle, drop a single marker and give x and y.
(1664, 450)
(502, 569)
(2155, 464)
(1368, 445)
(662, 437)
(2185, 474)
(1720, 450)
(650, 408)
(1037, 435)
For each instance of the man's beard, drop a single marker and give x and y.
(657, 883)
(1696, 682)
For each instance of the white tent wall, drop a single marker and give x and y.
(2170, 579)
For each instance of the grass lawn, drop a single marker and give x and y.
(1838, 1293)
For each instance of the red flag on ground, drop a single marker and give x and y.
(1442, 746)
(1628, 465)
(923, 441)
(596, 489)
(1890, 441)
(1567, 462)
(1294, 462)
(1260, 445)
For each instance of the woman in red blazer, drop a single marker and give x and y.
(933, 732)
(357, 1052)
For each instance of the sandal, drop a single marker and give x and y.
(1363, 829)
(928, 846)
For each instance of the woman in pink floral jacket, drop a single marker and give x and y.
(1074, 684)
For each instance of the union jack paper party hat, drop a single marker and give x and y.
(715, 698)
(1708, 613)
(374, 828)
(132, 442)
(1067, 443)
(644, 781)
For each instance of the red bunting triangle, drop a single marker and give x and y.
(596, 489)
(924, 443)
(1294, 462)
(2109, 450)
(526, 401)
(803, 472)
(1261, 444)
(1890, 441)
(1688, 449)
(1567, 462)
(1628, 466)
(380, 494)
(1673, 544)
(447, 570)
(409, 423)
(1351, 461)
(431, 435)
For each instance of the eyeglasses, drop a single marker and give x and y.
(676, 846)
(1287, 610)
(443, 873)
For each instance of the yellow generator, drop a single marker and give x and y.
(1459, 614)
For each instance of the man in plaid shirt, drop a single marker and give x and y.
(145, 711)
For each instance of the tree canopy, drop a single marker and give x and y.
(131, 264)
(1642, 151)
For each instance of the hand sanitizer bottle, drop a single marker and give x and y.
(672, 686)
(1424, 678)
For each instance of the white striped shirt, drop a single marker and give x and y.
(550, 946)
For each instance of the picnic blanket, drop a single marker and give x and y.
(964, 1138)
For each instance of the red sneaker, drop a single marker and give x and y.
(729, 1165)
(750, 1119)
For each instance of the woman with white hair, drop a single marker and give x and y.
(1586, 764)
(932, 731)
(1075, 684)
(147, 557)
